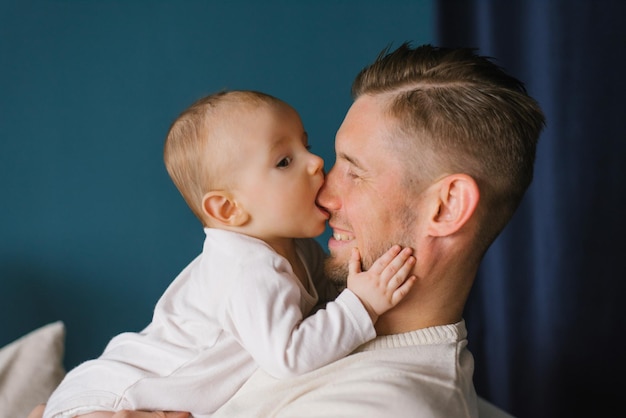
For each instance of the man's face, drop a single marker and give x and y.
(364, 193)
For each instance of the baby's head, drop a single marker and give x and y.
(199, 145)
(240, 159)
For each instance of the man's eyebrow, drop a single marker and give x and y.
(350, 160)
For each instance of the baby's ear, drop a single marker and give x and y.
(220, 207)
(457, 198)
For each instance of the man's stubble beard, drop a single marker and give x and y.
(337, 270)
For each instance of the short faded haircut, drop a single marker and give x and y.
(458, 112)
(194, 146)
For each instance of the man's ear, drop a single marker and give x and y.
(457, 198)
(220, 207)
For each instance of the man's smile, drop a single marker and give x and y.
(342, 237)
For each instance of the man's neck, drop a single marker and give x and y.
(393, 322)
(422, 309)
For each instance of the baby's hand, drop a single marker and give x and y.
(385, 284)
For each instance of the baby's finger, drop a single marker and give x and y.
(401, 273)
(384, 260)
(395, 265)
(403, 290)
(354, 265)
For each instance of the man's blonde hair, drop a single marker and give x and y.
(195, 151)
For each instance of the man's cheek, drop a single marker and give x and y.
(372, 253)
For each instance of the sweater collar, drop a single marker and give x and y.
(425, 336)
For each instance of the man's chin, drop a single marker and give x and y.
(336, 271)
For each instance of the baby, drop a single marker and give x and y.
(256, 296)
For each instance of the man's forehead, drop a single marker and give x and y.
(351, 146)
(361, 138)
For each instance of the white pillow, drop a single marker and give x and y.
(30, 369)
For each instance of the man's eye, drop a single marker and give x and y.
(352, 174)
(284, 162)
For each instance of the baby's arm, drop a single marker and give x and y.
(38, 413)
(386, 283)
(137, 414)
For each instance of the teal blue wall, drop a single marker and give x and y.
(91, 228)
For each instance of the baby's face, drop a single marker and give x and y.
(279, 178)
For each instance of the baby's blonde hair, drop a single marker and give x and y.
(196, 143)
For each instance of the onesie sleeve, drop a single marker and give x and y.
(263, 312)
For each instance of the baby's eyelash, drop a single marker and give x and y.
(284, 162)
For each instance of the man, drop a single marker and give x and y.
(435, 153)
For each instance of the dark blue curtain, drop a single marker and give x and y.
(546, 317)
